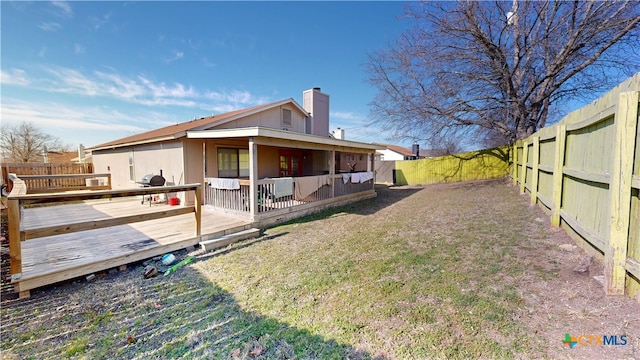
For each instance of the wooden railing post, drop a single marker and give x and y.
(15, 247)
(523, 171)
(561, 136)
(534, 170)
(615, 256)
(198, 209)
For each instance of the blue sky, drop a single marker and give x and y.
(91, 72)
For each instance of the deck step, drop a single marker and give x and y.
(225, 240)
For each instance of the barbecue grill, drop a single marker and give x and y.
(151, 180)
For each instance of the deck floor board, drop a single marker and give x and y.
(45, 260)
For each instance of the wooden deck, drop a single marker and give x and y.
(51, 259)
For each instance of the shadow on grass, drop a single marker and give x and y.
(387, 196)
(183, 315)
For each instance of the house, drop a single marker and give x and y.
(395, 152)
(268, 163)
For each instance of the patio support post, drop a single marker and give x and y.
(372, 164)
(253, 177)
(332, 171)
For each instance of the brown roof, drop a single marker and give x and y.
(61, 156)
(399, 149)
(179, 130)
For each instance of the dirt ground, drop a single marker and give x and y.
(570, 303)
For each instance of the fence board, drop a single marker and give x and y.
(587, 171)
(45, 169)
(475, 165)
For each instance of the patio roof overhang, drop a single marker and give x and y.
(276, 137)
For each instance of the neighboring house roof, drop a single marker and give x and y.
(179, 130)
(61, 156)
(398, 149)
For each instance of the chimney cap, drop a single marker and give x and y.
(316, 88)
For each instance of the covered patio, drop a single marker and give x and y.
(269, 175)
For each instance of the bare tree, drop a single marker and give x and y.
(495, 72)
(26, 143)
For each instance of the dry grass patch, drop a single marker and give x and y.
(445, 271)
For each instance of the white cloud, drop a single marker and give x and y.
(51, 114)
(99, 22)
(79, 49)
(176, 56)
(208, 64)
(42, 52)
(64, 7)
(139, 90)
(14, 77)
(50, 26)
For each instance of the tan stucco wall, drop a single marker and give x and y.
(271, 118)
(147, 159)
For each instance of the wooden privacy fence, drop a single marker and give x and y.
(585, 172)
(43, 169)
(474, 165)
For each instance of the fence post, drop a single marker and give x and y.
(615, 256)
(514, 157)
(523, 171)
(534, 170)
(561, 136)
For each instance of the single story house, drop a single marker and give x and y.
(268, 163)
(396, 152)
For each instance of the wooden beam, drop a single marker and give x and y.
(583, 175)
(523, 170)
(633, 267)
(98, 224)
(253, 177)
(620, 188)
(104, 194)
(66, 176)
(594, 239)
(15, 251)
(558, 176)
(198, 210)
(545, 169)
(534, 170)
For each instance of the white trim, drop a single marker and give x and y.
(257, 131)
(252, 112)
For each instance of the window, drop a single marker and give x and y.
(132, 174)
(233, 163)
(286, 117)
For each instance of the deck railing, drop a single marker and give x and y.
(239, 201)
(19, 197)
(40, 184)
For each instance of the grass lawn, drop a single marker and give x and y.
(417, 273)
